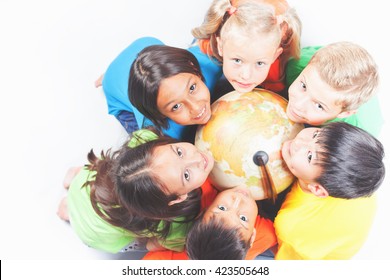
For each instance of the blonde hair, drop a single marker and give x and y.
(256, 17)
(280, 5)
(350, 70)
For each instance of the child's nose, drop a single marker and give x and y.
(236, 202)
(196, 160)
(298, 143)
(246, 72)
(195, 107)
(300, 104)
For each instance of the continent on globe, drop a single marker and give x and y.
(241, 125)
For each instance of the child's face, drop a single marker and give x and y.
(311, 100)
(300, 155)
(181, 167)
(236, 208)
(185, 99)
(246, 61)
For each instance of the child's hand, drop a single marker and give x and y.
(98, 82)
(153, 245)
(62, 211)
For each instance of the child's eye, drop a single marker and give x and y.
(179, 152)
(176, 107)
(243, 218)
(260, 63)
(303, 85)
(319, 106)
(237, 60)
(222, 208)
(309, 156)
(192, 88)
(315, 134)
(187, 175)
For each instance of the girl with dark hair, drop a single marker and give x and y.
(148, 189)
(166, 87)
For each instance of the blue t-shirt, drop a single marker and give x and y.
(116, 78)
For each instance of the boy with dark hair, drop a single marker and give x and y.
(205, 244)
(330, 208)
(229, 228)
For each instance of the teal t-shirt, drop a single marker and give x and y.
(99, 234)
(368, 117)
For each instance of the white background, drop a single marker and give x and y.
(51, 52)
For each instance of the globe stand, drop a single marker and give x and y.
(260, 158)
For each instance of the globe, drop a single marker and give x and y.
(245, 135)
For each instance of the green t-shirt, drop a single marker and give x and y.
(368, 117)
(295, 66)
(88, 225)
(99, 234)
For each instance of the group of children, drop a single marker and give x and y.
(153, 192)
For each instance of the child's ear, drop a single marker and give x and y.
(278, 52)
(178, 200)
(346, 114)
(253, 236)
(318, 190)
(219, 46)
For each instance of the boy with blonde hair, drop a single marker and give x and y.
(336, 82)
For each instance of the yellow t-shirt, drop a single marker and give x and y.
(314, 228)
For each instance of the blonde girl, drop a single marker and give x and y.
(252, 39)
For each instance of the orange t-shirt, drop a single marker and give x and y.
(265, 233)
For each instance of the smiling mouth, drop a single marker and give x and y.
(243, 192)
(243, 85)
(201, 113)
(295, 115)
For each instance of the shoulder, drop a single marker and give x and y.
(295, 66)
